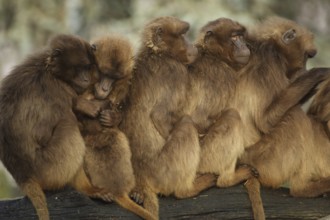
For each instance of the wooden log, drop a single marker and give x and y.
(215, 203)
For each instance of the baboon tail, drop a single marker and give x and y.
(127, 203)
(33, 191)
(253, 188)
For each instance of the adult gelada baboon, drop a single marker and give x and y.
(222, 51)
(108, 157)
(283, 133)
(40, 142)
(164, 141)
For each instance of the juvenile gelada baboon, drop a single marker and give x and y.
(40, 142)
(164, 141)
(213, 76)
(282, 132)
(108, 157)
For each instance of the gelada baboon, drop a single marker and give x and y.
(107, 161)
(164, 141)
(107, 97)
(282, 132)
(221, 51)
(287, 45)
(40, 142)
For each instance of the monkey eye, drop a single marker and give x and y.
(209, 33)
(84, 67)
(120, 107)
(236, 35)
(289, 35)
(87, 66)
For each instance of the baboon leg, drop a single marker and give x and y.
(34, 192)
(176, 166)
(311, 189)
(137, 195)
(55, 168)
(82, 184)
(242, 173)
(253, 188)
(221, 147)
(202, 182)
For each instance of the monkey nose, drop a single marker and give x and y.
(311, 53)
(105, 88)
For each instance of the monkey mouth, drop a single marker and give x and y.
(242, 59)
(101, 95)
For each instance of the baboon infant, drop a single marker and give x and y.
(164, 141)
(107, 161)
(40, 142)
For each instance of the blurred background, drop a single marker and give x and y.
(26, 25)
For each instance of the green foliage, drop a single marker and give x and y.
(7, 189)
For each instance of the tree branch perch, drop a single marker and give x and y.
(215, 203)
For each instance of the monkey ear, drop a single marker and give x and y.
(208, 34)
(159, 31)
(56, 52)
(289, 36)
(93, 46)
(158, 34)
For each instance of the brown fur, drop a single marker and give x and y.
(213, 79)
(108, 157)
(264, 80)
(40, 143)
(283, 132)
(320, 106)
(164, 141)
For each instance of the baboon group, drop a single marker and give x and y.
(173, 118)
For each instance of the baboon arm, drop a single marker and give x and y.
(110, 118)
(88, 107)
(161, 120)
(291, 96)
(120, 90)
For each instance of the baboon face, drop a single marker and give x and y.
(103, 86)
(166, 35)
(225, 38)
(295, 41)
(114, 60)
(72, 61)
(298, 45)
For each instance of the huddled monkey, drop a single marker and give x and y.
(107, 97)
(222, 51)
(107, 162)
(175, 118)
(292, 45)
(164, 140)
(278, 134)
(47, 152)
